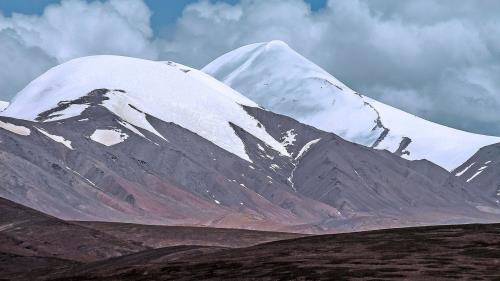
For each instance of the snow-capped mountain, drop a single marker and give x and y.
(120, 139)
(281, 80)
(174, 93)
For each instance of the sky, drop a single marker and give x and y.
(438, 59)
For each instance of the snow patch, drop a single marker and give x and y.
(71, 111)
(121, 105)
(306, 147)
(488, 209)
(20, 130)
(109, 137)
(464, 170)
(475, 175)
(274, 167)
(289, 138)
(56, 138)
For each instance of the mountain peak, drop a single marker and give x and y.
(278, 78)
(278, 44)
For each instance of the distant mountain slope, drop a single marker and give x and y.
(278, 78)
(159, 236)
(126, 140)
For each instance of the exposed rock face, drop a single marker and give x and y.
(480, 175)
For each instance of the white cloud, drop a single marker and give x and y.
(411, 54)
(19, 63)
(436, 58)
(30, 44)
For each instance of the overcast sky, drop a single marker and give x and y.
(439, 59)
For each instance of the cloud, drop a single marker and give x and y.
(19, 63)
(439, 59)
(31, 44)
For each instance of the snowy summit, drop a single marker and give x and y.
(168, 91)
(278, 78)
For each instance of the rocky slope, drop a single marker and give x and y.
(480, 175)
(283, 81)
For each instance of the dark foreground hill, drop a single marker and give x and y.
(31, 241)
(39, 247)
(466, 252)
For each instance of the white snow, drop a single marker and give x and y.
(482, 168)
(191, 99)
(464, 170)
(84, 178)
(71, 111)
(119, 104)
(305, 148)
(357, 173)
(20, 130)
(3, 105)
(475, 175)
(56, 138)
(281, 80)
(442, 145)
(108, 137)
(131, 128)
(289, 138)
(274, 167)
